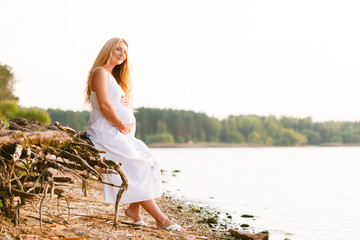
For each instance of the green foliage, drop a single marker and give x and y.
(7, 108)
(272, 126)
(159, 138)
(187, 126)
(8, 101)
(336, 139)
(255, 137)
(231, 136)
(32, 113)
(269, 141)
(10, 109)
(4, 124)
(183, 125)
(75, 120)
(94, 178)
(1, 204)
(231, 131)
(168, 125)
(313, 138)
(288, 137)
(349, 133)
(7, 82)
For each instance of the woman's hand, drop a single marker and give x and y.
(127, 128)
(124, 101)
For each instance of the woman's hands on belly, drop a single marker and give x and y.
(127, 128)
(125, 114)
(124, 101)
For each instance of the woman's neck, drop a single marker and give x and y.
(108, 68)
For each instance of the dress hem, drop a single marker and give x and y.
(135, 201)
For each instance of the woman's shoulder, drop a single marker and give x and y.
(100, 73)
(100, 70)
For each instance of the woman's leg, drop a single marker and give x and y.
(133, 211)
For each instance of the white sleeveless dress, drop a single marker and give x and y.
(139, 165)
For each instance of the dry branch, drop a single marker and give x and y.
(29, 154)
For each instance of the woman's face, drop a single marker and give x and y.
(119, 53)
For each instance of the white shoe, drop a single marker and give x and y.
(140, 223)
(174, 228)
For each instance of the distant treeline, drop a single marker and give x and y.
(75, 120)
(179, 126)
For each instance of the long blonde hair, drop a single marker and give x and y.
(120, 72)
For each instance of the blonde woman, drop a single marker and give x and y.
(112, 129)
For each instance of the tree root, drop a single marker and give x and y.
(30, 153)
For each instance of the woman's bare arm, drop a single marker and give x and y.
(99, 84)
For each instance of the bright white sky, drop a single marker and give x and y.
(293, 58)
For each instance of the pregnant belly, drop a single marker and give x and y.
(125, 115)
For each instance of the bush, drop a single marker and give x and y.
(33, 113)
(8, 108)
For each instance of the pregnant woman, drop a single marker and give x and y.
(112, 129)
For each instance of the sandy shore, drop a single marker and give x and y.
(92, 218)
(239, 145)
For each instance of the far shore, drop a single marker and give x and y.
(239, 145)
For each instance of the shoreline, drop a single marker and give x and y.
(216, 219)
(92, 218)
(240, 145)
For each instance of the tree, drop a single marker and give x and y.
(273, 127)
(289, 122)
(288, 137)
(350, 134)
(7, 82)
(249, 123)
(327, 130)
(8, 101)
(255, 137)
(313, 138)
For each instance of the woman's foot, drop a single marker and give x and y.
(133, 212)
(170, 225)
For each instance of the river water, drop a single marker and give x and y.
(296, 193)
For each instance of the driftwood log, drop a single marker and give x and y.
(29, 154)
(244, 235)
